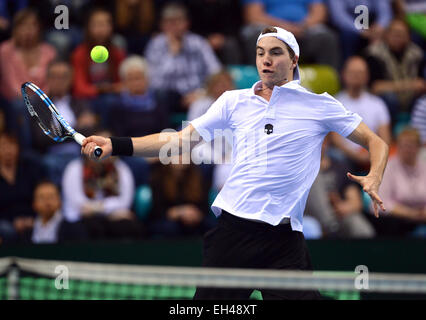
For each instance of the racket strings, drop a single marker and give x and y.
(44, 116)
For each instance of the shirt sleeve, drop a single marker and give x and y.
(214, 119)
(337, 118)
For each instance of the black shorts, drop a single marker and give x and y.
(240, 243)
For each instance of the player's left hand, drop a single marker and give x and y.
(370, 184)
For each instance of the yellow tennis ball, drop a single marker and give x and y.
(99, 54)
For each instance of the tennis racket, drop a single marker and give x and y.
(44, 112)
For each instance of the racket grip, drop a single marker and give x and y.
(79, 139)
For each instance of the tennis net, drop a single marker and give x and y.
(56, 280)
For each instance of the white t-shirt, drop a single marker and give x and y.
(371, 108)
(272, 173)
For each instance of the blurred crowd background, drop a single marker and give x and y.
(168, 61)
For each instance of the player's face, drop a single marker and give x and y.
(273, 62)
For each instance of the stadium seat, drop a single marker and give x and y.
(244, 76)
(143, 201)
(319, 78)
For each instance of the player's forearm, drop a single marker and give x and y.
(150, 146)
(379, 152)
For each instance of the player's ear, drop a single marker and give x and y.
(295, 61)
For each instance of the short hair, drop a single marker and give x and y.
(173, 8)
(412, 132)
(291, 52)
(134, 61)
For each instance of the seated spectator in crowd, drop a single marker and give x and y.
(25, 56)
(371, 108)
(139, 110)
(179, 60)
(135, 21)
(17, 181)
(90, 78)
(178, 210)
(77, 113)
(49, 224)
(403, 188)
(304, 18)
(100, 194)
(395, 65)
(222, 37)
(418, 118)
(414, 12)
(352, 38)
(336, 202)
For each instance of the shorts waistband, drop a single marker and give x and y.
(242, 223)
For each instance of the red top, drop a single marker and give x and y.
(88, 73)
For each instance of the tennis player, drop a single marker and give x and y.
(278, 129)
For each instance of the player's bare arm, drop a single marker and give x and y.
(379, 152)
(147, 146)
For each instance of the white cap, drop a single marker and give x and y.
(289, 39)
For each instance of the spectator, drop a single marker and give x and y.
(371, 108)
(418, 118)
(100, 194)
(304, 18)
(222, 37)
(403, 187)
(395, 66)
(17, 180)
(343, 15)
(92, 79)
(135, 21)
(24, 57)
(178, 211)
(336, 202)
(139, 110)
(414, 12)
(179, 60)
(49, 224)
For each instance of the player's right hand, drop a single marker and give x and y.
(89, 144)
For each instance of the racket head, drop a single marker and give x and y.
(44, 112)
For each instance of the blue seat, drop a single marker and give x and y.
(244, 76)
(142, 201)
